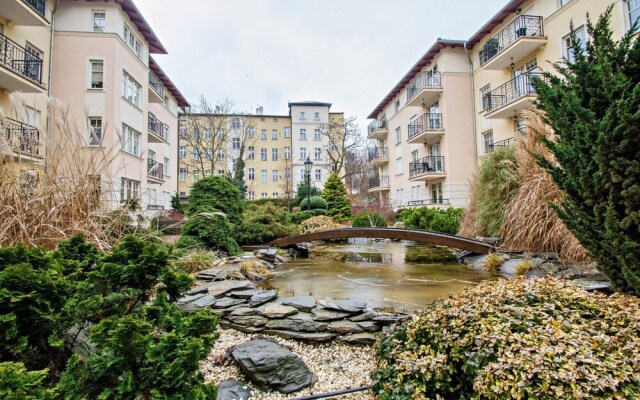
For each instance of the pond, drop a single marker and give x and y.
(381, 273)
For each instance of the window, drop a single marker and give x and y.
(265, 195)
(220, 155)
(183, 174)
(317, 153)
(207, 172)
(208, 153)
(235, 123)
(303, 134)
(287, 132)
(98, 17)
(252, 174)
(33, 57)
(196, 175)
(303, 176)
(634, 11)
(487, 140)
(397, 106)
(398, 136)
(183, 132)
(252, 132)
(196, 133)
(182, 153)
(316, 116)
(195, 154)
(235, 143)
(263, 154)
(130, 89)
(274, 134)
(274, 175)
(287, 174)
(414, 156)
(263, 175)
(287, 153)
(131, 41)
(251, 153)
(318, 175)
(221, 134)
(207, 134)
(221, 173)
(275, 120)
(581, 37)
(129, 189)
(95, 131)
(97, 74)
(436, 193)
(165, 167)
(131, 142)
(303, 153)
(334, 148)
(274, 195)
(252, 195)
(485, 97)
(302, 115)
(274, 154)
(263, 134)
(398, 166)
(316, 134)
(564, 2)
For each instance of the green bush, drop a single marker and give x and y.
(216, 193)
(297, 218)
(317, 202)
(16, 383)
(366, 219)
(433, 219)
(212, 229)
(334, 193)
(264, 223)
(515, 339)
(277, 202)
(188, 242)
(301, 193)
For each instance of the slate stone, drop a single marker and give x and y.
(549, 268)
(302, 303)
(242, 311)
(267, 254)
(271, 366)
(274, 310)
(300, 322)
(510, 267)
(220, 288)
(369, 326)
(202, 300)
(367, 315)
(306, 336)
(218, 274)
(249, 320)
(323, 314)
(344, 327)
(358, 338)
(263, 297)
(350, 306)
(240, 328)
(245, 294)
(388, 319)
(233, 390)
(225, 302)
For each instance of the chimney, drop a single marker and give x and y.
(259, 110)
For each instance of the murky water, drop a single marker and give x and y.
(377, 273)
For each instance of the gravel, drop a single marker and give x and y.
(337, 366)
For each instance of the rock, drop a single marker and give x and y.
(275, 310)
(263, 297)
(549, 268)
(369, 326)
(218, 274)
(388, 319)
(323, 314)
(300, 322)
(299, 250)
(510, 267)
(358, 338)
(344, 327)
(576, 272)
(302, 303)
(242, 311)
(350, 306)
(266, 264)
(225, 302)
(267, 254)
(249, 320)
(536, 273)
(591, 285)
(306, 336)
(233, 390)
(219, 289)
(272, 367)
(190, 303)
(240, 328)
(245, 294)
(365, 316)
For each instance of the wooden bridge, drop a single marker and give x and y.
(438, 238)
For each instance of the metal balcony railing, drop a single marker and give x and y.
(427, 202)
(377, 125)
(156, 84)
(37, 5)
(426, 165)
(155, 169)
(379, 182)
(491, 147)
(23, 138)
(377, 153)
(424, 80)
(524, 25)
(426, 122)
(159, 128)
(20, 60)
(518, 87)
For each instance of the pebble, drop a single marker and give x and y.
(337, 366)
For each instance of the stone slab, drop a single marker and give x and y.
(344, 327)
(306, 336)
(359, 338)
(324, 314)
(275, 310)
(302, 303)
(350, 306)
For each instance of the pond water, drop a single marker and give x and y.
(376, 272)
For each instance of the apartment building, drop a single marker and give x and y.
(275, 148)
(25, 36)
(119, 96)
(423, 133)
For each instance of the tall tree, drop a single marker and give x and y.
(338, 205)
(343, 136)
(592, 106)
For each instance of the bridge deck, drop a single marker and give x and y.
(438, 238)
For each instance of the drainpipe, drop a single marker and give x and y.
(48, 124)
(473, 104)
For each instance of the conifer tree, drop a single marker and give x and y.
(334, 193)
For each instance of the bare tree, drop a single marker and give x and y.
(344, 137)
(287, 182)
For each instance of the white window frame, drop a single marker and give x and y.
(95, 27)
(182, 152)
(287, 132)
(275, 176)
(398, 136)
(166, 171)
(303, 134)
(487, 141)
(303, 153)
(129, 189)
(132, 41)
(318, 175)
(131, 89)
(263, 175)
(632, 6)
(252, 174)
(317, 153)
(316, 134)
(581, 33)
(130, 140)
(287, 153)
(263, 155)
(263, 134)
(95, 131)
(96, 69)
(182, 174)
(274, 134)
(274, 154)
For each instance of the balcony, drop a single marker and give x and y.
(23, 139)
(491, 147)
(427, 128)
(522, 36)
(156, 89)
(428, 202)
(424, 89)
(19, 70)
(379, 184)
(430, 167)
(514, 96)
(155, 170)
(379, 155)
(159, 132)
(377, 129)
(25, 12)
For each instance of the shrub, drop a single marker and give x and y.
(319, 223)
(317, 202)
(263, 223)
(176, 203)
(196, 260)
(16, 383)
(188, 242)
(433, 219)
(516, 339)
(493, 262)
(369, 219)
(297, 218)
(523, 267)
(338, 205)
(212, 229)
(301, 192)
(216, 193)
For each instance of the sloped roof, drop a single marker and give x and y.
(182, 102)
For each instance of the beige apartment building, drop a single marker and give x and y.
(119, 97)
(25, 41)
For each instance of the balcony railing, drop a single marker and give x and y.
(23, 138)
(426, 165)
(426, 122)
(518, 87)
(156, 84)
(37, 5)
(377, 125)
(19, 60)
(155, 169)
(491, 147)
(427, 202)
(158, 128)
(379, 182)
(424, 80)
(378, 153)
(524, 25)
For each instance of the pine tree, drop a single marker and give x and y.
(334, 193)
(592, 107)
(238, 173)
(176, 204)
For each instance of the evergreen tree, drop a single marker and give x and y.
(219, 193)
(238, 173)
(334, 193)
(176, 204)
(592, 107)
(301, 192)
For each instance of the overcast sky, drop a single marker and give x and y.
(346, 52)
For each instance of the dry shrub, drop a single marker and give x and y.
(319, 224)
(531, 224)
(493, 262)
(43, 206)
(468, 226)
(197, 260)
(523, 267)
(254, 270)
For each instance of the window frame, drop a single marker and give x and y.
(93, 21)
(92, 85)
(131, 140)
(93, 133)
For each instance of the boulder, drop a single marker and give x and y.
(271, 366)
(318, 337)
(267, 254)
(324, 314)
(300, 322)
(263, 297)
(344, 327)
(358, 338)
(302, 303)
(233, 390)
(275, 310)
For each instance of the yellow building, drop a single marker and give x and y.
(25, 41)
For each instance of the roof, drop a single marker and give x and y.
(422, 62)
(182, 102)
(496, 20)
(234, 115)
(309, 103)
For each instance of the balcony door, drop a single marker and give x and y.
(435, 121)
(436, 157)
(522, 83)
